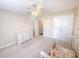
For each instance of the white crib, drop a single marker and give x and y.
(66, 42)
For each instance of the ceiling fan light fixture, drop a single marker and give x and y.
(36, 9)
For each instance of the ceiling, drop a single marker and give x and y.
(22, 6)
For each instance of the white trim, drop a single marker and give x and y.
(12, 43)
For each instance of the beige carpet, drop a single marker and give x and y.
(29, 49)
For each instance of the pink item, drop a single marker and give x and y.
(51, 53)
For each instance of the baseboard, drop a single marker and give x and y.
(7, 45)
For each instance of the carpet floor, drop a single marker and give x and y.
(28, 49)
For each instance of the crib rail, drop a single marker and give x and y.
(65, 41)
(75, 43)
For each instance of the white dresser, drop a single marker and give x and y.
(23, 36)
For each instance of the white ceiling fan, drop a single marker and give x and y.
(36, 8)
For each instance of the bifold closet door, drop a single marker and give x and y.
(62, 26)
(57, 27)
(47, 28)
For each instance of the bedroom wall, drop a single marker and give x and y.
(76, 24)
(75, 41)
(48, 25)
(10, 23)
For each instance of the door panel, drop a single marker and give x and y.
(47, 29)
(67, 25)
(57, 27)
(62, 26)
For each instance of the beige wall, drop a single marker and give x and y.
(75, 42)
(10, 23)
(48, 20)
(76, 24)
(47, 26)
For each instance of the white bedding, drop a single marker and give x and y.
(59, 52)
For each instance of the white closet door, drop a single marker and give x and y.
(62, 26)
(67, 25)
(47, 29)
(57, 27)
